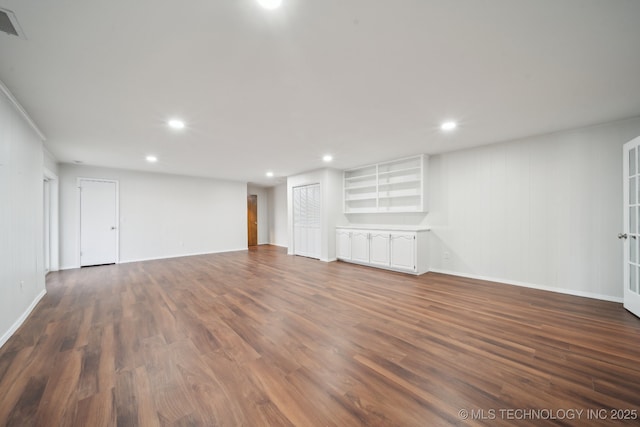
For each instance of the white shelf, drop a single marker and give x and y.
(359, 186)
(400, 180)
(397, 186)
(353, 178)
(366, 196)
(398, 193)
(416, 169)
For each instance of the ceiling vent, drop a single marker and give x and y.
(9, 24)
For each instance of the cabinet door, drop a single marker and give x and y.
(379, 249)
(360, 246)
(403, 251)
(343, 244)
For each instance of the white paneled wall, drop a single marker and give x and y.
(21, 217)
(542, 212)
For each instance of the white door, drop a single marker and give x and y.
(631, 233)
(379, 249)
(343, 244)
(306, 220)
(360, 246)
(98, 222)
(403, 251)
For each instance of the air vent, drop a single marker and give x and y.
(9, 24)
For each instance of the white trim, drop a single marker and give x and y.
(54, 225)
(79, 241)
(280, 246)
(531, 285)
(22, 318)
(21, 110)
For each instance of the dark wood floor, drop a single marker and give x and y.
(261, 338)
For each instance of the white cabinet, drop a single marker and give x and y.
(379, 248)
(360, 246)
(390, 248)
(403, 251)
(343, 244)
(395, 186)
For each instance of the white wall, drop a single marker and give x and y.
(21, 211)
(263, 212)
(543, 211)
(277, 197)
(330, 181)
(161, 215)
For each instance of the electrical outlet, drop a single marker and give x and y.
(446, 256)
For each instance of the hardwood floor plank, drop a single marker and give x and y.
(259, 338)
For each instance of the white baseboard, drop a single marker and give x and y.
(22, 318)
(532, 286)
(280, 246)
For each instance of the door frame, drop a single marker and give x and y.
(54, 236)
(79, 228)
(249, 196)
(631, 306)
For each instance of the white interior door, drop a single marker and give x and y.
(631, 233)
(98, 222)
(306, 220)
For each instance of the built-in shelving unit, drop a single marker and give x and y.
(394, 186)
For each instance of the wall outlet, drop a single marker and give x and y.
(446, 255)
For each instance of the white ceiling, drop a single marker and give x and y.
(364, 80)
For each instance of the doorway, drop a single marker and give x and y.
(46, 237)
(252, 220)
(98, 221)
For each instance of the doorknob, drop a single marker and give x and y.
(113, 228)
(622, 235)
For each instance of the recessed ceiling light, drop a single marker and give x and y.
(448, 126)
(176, 124)
(269, 174)
(270, 4)
(152, 159)
(327, 158)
